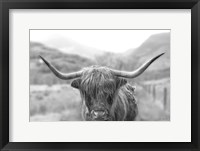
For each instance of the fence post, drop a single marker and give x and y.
(154, 92)
(165, 99)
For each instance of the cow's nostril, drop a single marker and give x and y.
(95, 113)
(101, 113)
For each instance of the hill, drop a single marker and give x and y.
(40, 73)
(72, 47)
(133, 58)
(153, 46)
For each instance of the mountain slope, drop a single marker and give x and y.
(72, 47)
(133, 58)
(40, 73)
(154, 45)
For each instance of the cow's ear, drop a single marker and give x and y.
(121, 82)
(76, 83)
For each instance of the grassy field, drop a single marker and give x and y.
(63, 103)
(55, 103)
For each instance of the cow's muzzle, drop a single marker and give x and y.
(99, 115)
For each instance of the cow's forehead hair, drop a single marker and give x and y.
(97, 81)
(97, 71)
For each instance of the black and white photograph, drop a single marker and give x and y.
(99, 75)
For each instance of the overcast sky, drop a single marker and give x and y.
(107, 40)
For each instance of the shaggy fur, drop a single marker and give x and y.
(101, 90)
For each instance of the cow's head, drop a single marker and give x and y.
(98, 87)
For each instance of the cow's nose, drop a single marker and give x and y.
(98, 114)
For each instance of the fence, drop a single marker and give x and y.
(160, 93)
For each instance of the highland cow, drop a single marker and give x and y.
(105, 93)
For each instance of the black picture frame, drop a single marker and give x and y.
(5, 5)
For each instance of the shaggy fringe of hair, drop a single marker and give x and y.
(97, 81)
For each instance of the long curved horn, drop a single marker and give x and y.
(137, 72)
(60, 75)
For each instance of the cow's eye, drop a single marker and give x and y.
(110, 101)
